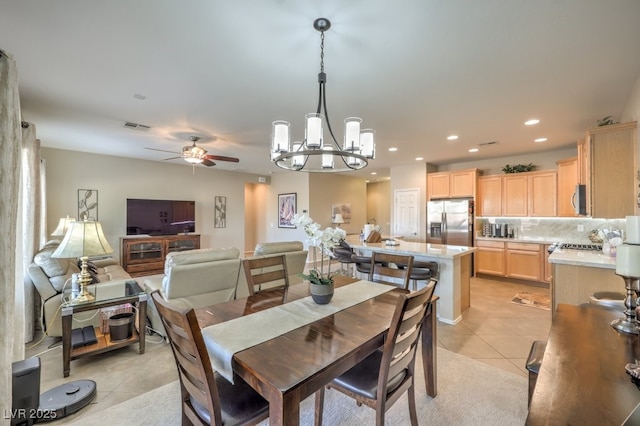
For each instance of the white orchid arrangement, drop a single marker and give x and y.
(326, 240)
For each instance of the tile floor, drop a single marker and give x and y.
(493, 330)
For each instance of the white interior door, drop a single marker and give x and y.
(407, 213)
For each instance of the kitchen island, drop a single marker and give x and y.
(578, 274)
(454, 275)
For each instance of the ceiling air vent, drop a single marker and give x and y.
(488, 143)
(136, 126)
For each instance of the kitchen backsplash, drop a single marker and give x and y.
(554, 229)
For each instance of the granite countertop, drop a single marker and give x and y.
(416, 249)
(594, 259)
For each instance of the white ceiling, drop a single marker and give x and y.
(413, 70)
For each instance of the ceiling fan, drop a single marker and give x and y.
(195, 154)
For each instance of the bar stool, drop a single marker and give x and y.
(363, 264)
(422, 271)
(343, 254)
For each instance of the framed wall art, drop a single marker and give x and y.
(343, 209)
(220, 215)
(286, 210)
(87, 204)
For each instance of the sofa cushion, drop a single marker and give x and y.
(53, 266)
(279, 247)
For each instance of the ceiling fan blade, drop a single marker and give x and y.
(162, 150)
(208, 163)
(221, 158)
(171, 158)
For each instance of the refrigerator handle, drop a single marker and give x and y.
(444, 228)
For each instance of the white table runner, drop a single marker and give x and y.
(225, 339)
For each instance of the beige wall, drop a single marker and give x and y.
(118, 178)
(632, 113)
(326, 189)
(379, 203)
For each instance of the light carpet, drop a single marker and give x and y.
(540, 301)
(469, 393)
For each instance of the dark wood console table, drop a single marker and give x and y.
(582, 379)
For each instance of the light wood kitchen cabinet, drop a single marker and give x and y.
(490, 257)
(612, 170)
(542, 194)
(489, 201)
(454, 184)
(518, 194)
(568, 178)
(524, 261)
(515, 189)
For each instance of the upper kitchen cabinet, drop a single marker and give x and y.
(568, 178)
(489, 202)
(454, 184)
(517, 194)
(611, 171)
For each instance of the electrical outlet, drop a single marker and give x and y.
(580, 228)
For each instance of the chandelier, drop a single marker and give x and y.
(316, 153)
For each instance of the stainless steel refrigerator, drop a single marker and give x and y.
(450, 222)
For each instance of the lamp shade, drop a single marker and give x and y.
(83, 239)
(338, 218)
(63, 225)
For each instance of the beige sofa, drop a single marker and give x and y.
(194, 279)
(50, 276)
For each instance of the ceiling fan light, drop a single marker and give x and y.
(280, 141)
(352, 134)
(193, 160)
(313, 131)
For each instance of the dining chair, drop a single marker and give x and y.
(266, 273)
(207, 397)
(385, 266)
(383, 377)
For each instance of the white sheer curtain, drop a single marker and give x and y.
(33, 233)
(10, 154)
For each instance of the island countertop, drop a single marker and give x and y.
(415, 249)
(593, 259)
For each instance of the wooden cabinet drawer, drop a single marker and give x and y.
(523, 246)
(492, 244)
(144, 267)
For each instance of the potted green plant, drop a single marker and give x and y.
(320, 280)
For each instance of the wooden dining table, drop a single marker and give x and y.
(287, 369)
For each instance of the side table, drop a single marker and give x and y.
(107, 294)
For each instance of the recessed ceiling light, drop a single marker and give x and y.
(540, 140)
(531, 122)
(374, 173)
(419, 158)
(393, 149)
(474, 150)
(452, 137)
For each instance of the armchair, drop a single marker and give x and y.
(193, 279)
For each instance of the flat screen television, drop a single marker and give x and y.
(160, 217)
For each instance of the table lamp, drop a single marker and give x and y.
(338, 219)
(63, 226)
(83, 239)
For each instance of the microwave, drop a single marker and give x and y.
(579, 199)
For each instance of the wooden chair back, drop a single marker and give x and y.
(385, 266)
(197, 380)
(266, 272)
